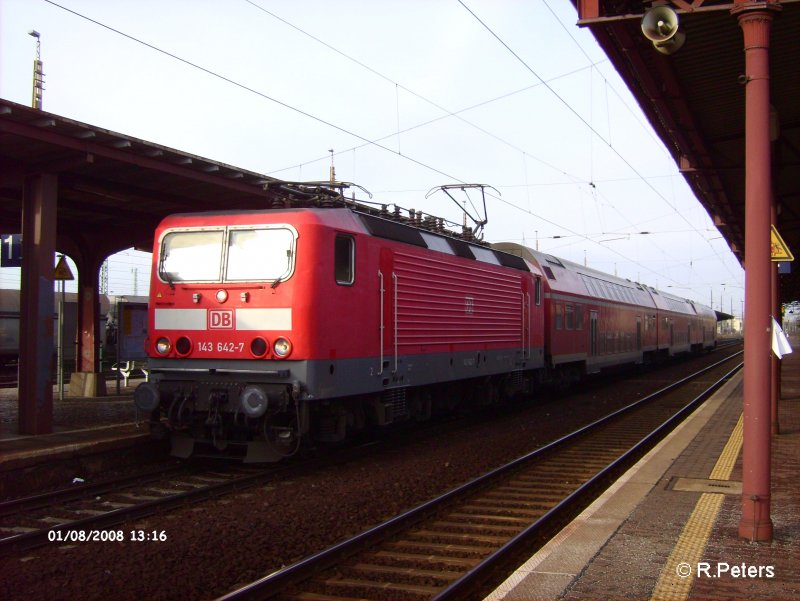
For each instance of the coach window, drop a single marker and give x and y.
(578, 317)
(559, 316)
(570, 317)
(344, 260)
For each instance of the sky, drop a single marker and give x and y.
(409, 95)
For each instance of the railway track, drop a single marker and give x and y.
(62, 515)
(471, 536)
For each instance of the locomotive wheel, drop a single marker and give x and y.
(281, 438)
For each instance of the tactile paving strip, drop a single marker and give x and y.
(677, 576)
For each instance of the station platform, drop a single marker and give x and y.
(82, 428)
(668, 528)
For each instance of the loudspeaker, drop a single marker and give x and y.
(672, 45)
(660, 26)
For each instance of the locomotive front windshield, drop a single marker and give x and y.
(227, 255)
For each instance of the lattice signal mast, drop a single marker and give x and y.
(38, 72)
(104, 277)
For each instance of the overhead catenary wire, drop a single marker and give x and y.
(397, 86)
(252, 90)
(288, 106)
(579, 116)
(608, 85)
(447, 111)
(447, 114)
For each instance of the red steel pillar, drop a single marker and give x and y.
(88, 314)
(87, 379)
(35, 404)
(755, 20)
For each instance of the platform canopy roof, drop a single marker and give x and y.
(695, 101)
(114, 188)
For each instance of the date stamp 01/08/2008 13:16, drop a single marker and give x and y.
(83, 536)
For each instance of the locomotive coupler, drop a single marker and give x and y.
(214, 420)
(216, 399)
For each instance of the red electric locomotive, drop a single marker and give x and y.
(268, 326)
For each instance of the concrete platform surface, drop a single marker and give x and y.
(94, 423)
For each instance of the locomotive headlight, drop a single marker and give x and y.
(282, 347)
(222, 296)
(254, 401)
(163, 346)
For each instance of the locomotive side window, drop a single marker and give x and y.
(260, 254)
(537, 294)
(344, 260)
(191, 256)
(437, 243)
(485, 255)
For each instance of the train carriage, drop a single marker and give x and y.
(594, 320)
(683, 325)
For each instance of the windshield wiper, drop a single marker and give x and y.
(165, 274)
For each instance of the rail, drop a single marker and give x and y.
(465, 585)
(206, 487)
(461, 587)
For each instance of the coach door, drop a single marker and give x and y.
(593, 333)
(638, 333)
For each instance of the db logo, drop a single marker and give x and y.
(220, 319)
